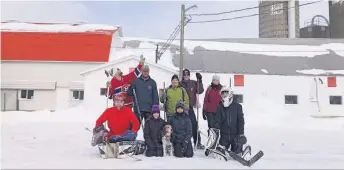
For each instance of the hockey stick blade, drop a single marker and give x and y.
(256, 157)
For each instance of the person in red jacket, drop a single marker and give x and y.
(120, 83)
(211, 101)
(122, 123)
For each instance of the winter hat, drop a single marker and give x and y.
(145, 68)
(227, 99)
(156, 109)
(175, 77)
(180, 104)
(186, 72)
(216, 77)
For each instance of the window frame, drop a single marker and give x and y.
(235, 98)
(80, 94)
(340, 97)
(26, 97)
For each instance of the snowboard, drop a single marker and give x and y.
(212, 149)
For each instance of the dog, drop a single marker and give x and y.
(166, 140)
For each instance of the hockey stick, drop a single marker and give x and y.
(165, 117)
(138, 107)
(197, 111)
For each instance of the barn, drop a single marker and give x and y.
(294, 76)
(41, 62)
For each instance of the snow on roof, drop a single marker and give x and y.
(55, 27)
(252, 48)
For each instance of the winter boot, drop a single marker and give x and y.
(200, 146)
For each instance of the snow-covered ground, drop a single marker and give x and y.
(47, 140)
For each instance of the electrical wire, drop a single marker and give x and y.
(237, 10)
(247, 16)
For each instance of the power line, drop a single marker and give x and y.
(169, 41)
(247, 16)
(237, 10)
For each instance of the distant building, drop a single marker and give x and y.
(273, 19)
(336, 13)
(315, 28)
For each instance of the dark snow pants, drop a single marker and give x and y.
(155, 151)
(143, 116)
(177, 150)
(234, 147)
(193, 119)
(211, 120)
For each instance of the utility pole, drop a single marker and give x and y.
(157, 54)
(181, 46)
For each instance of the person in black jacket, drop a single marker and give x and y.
(146, 93)
(229, 118)
(182, 132)
(152, 133)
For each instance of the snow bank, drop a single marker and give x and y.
(31, 27)
(320, 71)
(264, 49)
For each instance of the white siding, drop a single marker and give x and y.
(58, 77)
(261, 91)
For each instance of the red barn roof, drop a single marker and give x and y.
(56, 42)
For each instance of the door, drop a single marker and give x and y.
(8, 100)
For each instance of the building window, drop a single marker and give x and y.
(78, 95)
(239, 98)
(290, 99)
(26, 94)
(103, 91)
(336, 100)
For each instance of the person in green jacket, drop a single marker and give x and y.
(173, 94)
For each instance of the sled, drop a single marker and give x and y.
(121, 150)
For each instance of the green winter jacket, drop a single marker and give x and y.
(172, 95)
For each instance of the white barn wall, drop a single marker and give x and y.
(62, 73)
(272, 89)
(97, 79)
(43, 99)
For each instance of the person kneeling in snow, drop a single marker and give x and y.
(152, 133)
(182, 132)
(229, 118)
(122, 123)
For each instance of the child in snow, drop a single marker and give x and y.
(182, 132)
(152, 133)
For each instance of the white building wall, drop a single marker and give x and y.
(260, 91)
(97, 79)
(63, 73)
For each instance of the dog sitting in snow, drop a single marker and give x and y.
(166, 140)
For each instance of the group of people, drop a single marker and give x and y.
(138, 91)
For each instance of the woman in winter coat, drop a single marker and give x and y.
(182, 132)
(152, 133)
(211, 101)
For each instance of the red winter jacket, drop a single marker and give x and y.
(212, 99)
(119, 121)
(121, 86)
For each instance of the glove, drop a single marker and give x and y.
(204, 115)
(241, 139)
(199, 76)
(142, 60)
(98, 128)
(184, 146)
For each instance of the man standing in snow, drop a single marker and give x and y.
(120, 83)
(193, 87)
(172, 95)
(122, 123)
(146, 93)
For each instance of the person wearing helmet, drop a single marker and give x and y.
(229, 119)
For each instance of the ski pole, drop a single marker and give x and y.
(138, 107)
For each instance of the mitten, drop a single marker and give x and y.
(199, 76)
